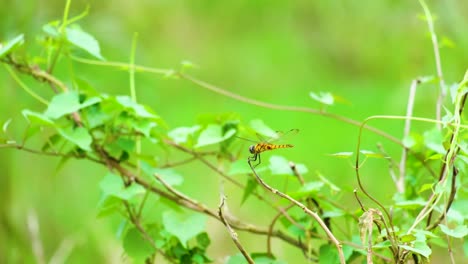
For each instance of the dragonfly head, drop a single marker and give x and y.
(252, 149)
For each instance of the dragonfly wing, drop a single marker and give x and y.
(283, 135)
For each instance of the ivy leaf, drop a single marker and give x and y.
(112, 185)
(144, 126)
(419, 247)
(280, 166)
(458, 232)
(433, 140)
(242, 167)
(38, 118)
(323, 97)
(249, 189)
(182, 134)
(11, 45)
(411, 204)
(67, 103)
(138, 109)
(236, 259)
(328, 254)
(108, 205)
(136, 246)
(307, 189)
(203, 240)
(78, 136)
(83, 40)
(184, 228)
(260, 127)
(212, 135)
(169, 176)
(342, 155)
(407, 238)
(408, 141)
(371, 154)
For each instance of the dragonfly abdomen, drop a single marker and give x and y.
(261, 147)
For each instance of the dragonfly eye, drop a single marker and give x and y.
(252, 149)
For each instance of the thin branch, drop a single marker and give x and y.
(313, 111)
(33, 228)
(296, 172)
(305, 209)
(136, 222)
(438, 63)
(232, 232)
(400, 184)
(283, 212)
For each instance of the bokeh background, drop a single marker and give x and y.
(366, 52)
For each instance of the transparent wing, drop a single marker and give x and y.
(281, 136)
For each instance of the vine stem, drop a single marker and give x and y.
(438, 63)
(305, 209)
(400, 183)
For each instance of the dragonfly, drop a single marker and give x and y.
(266, 145)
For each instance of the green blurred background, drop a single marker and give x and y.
(275, 51)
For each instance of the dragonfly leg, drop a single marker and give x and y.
(254, 158)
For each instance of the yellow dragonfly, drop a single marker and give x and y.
(266, 145)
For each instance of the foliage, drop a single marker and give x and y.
(141, 185)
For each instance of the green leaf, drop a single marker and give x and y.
(433, 140)
(108, 205)
(265, 258)
(203, 240)
(411, 204)
(170, 176)
(332, 186)
(419, 247)
(280, 166)
(334, 213)
(67, 103)
(407, 238)
(249, 189)
(236, 259)
(11, 45)
(328, 255)
(136, 246)
(371, 154)
(383, 244)
(242, 167)
(78, 136)
(138, 109)
(260, 127)
(183, 227)
(425, 187)
(408, 141)
(83, 40)
(323, 97)
(37, 118)
(144, 126)
(343, 155)
(51, 28)
(182, 134)
(112, 185)
(459, 232)
(212, 135)
(307, 189)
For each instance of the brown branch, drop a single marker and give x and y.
(232, 232)
(247, 100)
(305, 209)
(400, 184)
(283, 212)
(136, 222)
